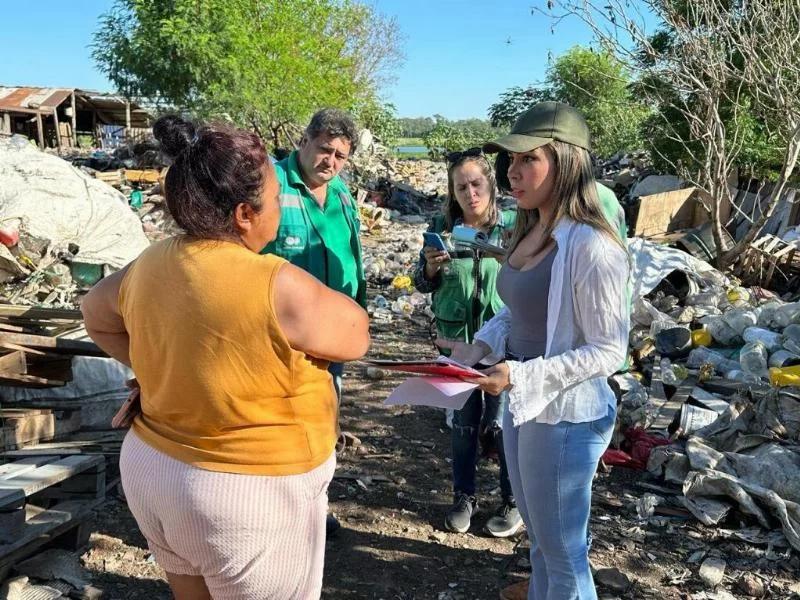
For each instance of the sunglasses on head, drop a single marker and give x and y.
(468, 153)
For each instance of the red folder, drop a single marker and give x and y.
(437, 367)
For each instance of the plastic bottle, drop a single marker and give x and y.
(382, 315)
(719, 329)
(402, 306)
(785, 376)
(707, 298)
(667, 374)
(786, 315)
(791, 338)
(740, 319)
(738, 296)
(739, 375)
(783, 358)
(754, 358)
(768, 312)
(773, 341)
(703, 356)
(380, 301)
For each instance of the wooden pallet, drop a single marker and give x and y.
(32, 353)
(21, 426)
(44, 497)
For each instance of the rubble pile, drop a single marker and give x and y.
(60, 230)
(707, 404)
(622, 170)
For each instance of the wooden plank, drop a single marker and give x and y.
(29, 381)
(53, 344)
(36, 451)
(46, 475)
(12, 346)
(669, 408)
(145, 176)
(36, 426)
(23, 465)
(40, 130)
(58, 129)
(41, 526)
(14, 363)
(74, 120)
(39, 313)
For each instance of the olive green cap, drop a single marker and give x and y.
(542, 124)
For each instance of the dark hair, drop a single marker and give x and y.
(335, 123)
(501, 165)
(452, 209)
(213, 170)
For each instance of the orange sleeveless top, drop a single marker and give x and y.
(221, 388)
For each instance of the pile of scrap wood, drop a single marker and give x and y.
(34, 354)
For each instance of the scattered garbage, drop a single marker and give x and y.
(55, 216)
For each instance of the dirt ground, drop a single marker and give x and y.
(391, 500)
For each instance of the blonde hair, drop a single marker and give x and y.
(452, 209)
(574, 195)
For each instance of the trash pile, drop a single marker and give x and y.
(60, 230)
(709, 404)
(622, 170)
(396, 199)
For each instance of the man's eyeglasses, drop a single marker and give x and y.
(453, 157)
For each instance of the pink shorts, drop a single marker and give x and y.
(250, 537)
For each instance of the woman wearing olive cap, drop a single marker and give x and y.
(563, 332)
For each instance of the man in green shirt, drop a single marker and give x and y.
(319, 225)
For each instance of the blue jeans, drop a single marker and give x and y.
(551, 468)
(480, 411)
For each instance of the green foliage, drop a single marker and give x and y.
(755, 128)
(515, 101)
(416, 127)
(449, 136)
(595, 83)
(261, 63)
(380, 118)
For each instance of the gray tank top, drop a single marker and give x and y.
(525, 293)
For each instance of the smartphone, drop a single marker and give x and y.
(434, 240)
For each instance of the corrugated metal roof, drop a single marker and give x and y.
(32, 98)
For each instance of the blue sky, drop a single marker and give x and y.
(460, 54)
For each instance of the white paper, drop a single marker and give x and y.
(442, 392)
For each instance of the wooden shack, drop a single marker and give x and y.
(69, 117)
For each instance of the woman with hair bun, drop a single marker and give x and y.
(227, 464)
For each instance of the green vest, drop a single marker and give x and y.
(324, 243)
(466, 296)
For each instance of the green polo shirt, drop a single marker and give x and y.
(322, 240)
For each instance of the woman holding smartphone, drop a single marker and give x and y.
(462, 281)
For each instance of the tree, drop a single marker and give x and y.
(725, 84)
(448, 136)
(595, 83)
(265, 64)
(515, 101)
(380, 118)
(416, 127)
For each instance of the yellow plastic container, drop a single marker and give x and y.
(701, 337)
(781, 376)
